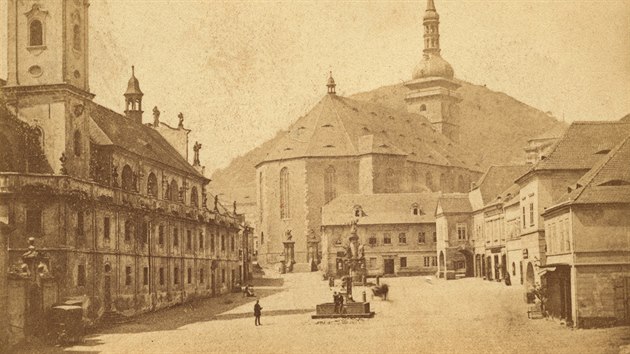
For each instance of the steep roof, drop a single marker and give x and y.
(497, 179)
(582, 145)
(391, 208)
(339, 126)
(454, 203)
(607, 182)
(116, 129)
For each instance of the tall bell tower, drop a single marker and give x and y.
(48, 77)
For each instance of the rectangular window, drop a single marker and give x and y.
(524, 220)
(461, 232)
(161, 276)
(127, 276)
(567, 240)
(232, 243)
(201, 240)
(189, 275)
(223, 276)
(372, 262)
(434, 237)
(201, 275)
(222, 242)
(188, 240)
(427, 262)
(372, 240)
(106, 227)
(145, 232)
(387, 239)
(80, 224)
(161, 235)
(175, 275)
(175, 237)
(434, 261)
(402, 238)
(145, 275)
(81, 275)
(403, 262)
(128, 230)
(531, 214)
(421, 237)
(34, 221)
(212, 242)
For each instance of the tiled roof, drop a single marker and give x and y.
(554, 133)
(607, 182)
(455, 203)
(583, 144)
(118, 130)
(339, 126)
(497, 179)
(391, 208)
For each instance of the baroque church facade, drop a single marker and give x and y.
(120, 220)
(347, 146)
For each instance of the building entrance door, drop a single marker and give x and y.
(107, 293)
(389, 266)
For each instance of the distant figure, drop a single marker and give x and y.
(336, 301)
(340, 297)
(331, 282)
(257, 310)
(508, 281)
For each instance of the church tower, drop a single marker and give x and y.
(432, 90)
(48, 77)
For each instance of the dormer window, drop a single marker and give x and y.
(423, 108)
(415, 209)
(36, 33)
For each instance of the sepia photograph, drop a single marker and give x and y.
(276, 176)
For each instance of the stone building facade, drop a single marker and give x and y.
(121, 215)
(346, 146)
(397, 231)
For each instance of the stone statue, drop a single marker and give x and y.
(311, 235)
(288, 235)
(181, 119)
(353, 226)
(63, 160)
(156, 117)
(196, 149)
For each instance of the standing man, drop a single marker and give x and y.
(257, 309)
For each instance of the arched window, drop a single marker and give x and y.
(127, 178)
(423, 108)
(36, 35)
(429, 181)
(284, 194)
(174, 191)
(330, 181)
(194, 197)
(76, 41)
(390, 180)
(415, 209)
(152, 186)
(77, 143)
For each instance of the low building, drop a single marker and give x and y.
(588, 245)
(397, 231)
(454, 249)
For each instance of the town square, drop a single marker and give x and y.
(376, 176)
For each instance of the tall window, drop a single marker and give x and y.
(434, 236)
(461, 232)
(212, 243)
(152, 185)
(127, 276)
(128, 230)
(194, 197)
(81, 275)
(387, 239)
(127, 178)
(174, 191)
(80, 224)
(461, 184)
(175, 237)
(201, 240)
(443, 183)
(145, 232)
(188, 240)
(175, 275)
(201, 275)
(402, 238)
(34, 221)
(77, 143)
(36, 35)
(161, 235)
(76, 39)
(284, 194)
(421, 237)
(161, 276)
(403, 262)
(390, 181)
(189, 275)
(222, 242)
(429, 181)
(531, 214)
(372, 240)
(232, 243)
(106, 227)
(145, 276)
(329, 184)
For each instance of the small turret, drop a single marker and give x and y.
(331, 85)
(133, 99)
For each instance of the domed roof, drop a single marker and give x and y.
(133, 86)
(331, 81)
(433, 65)
(431, 15)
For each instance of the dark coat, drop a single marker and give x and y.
(257, 309)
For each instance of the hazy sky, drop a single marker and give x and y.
(241, 71)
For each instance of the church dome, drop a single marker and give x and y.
(433, 66)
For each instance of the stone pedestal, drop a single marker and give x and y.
(289, 255)
(349, 310)
(313, 254)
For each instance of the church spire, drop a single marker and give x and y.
(133, 98)
(431, 22)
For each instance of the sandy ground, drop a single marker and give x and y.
(467, 315)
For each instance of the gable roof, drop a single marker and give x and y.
(390, 208)
(454, 203)
(340, 126)
(497, 179)
(607, 182)
(582, 145)
(118, 130)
